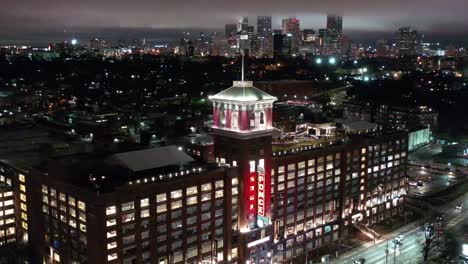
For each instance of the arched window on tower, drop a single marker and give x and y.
(262, 119)
(234, 120)
(222, 117)
(252, 120)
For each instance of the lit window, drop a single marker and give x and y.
(161, 208)
(145, 213)
(81, 205)
(111, 233)
(219, 184)
(71, 201)
(176, 194)
(112, 245)
(206, 187)
(234, 181)
(23, 197)
(219, 194)
(112, 256)
(191, 190)
(83, 228)
(110, 210)
(82, 217)
(111, 222)
(128, 217)
(192, 200)
(176, 204)
(127, 206)
(144, 202)
(161, 198)
(21, 178)
(22, 188)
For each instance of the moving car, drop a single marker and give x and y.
(360, 261)
(459, 207)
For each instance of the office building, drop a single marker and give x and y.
(264, 38)
(264, 27)
(408, 41)
(291, 26)
(259, 203)
(333, 37)
(282, 45)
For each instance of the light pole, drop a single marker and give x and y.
(386, 254)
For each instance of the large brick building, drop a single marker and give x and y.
(260, 202)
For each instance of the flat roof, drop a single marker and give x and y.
(148, 159)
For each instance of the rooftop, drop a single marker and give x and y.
(243, 91)
(149, 159)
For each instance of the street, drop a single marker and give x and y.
(411, 249)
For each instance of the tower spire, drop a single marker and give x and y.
(242, 52)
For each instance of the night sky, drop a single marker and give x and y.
(33, 19)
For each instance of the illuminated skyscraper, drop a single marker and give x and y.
(409, 41)
(264, 25)
(334, 34)
(264, 36)
(292, 26)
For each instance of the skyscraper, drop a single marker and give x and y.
(243, 35)
(264, 25)
(292, 26)
(333, 38)
(243, 24)
(409, 41)
(264, 36)
(282, 45)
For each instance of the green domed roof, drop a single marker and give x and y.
(243, 91)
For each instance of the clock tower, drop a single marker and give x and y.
(242, 130)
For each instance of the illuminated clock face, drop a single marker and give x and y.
(260, 223)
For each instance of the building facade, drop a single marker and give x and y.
(260, 202)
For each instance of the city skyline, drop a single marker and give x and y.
(42, 19)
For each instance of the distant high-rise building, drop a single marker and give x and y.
(408, 41)
(96, 43)
(264, 39)
(230, 30)
(382, 48)
(308, 35)
(333, 37)
(335, 23)
(244, 36)
(243, 24)
(264, 26)
(282, 45)
(292, 26)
